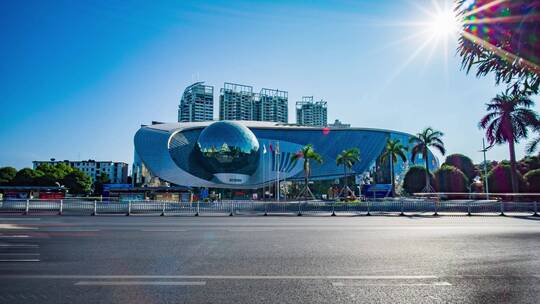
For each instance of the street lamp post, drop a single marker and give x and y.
(484, 150)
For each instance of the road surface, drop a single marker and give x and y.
(382, 259)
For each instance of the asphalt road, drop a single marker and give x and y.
(118, 259)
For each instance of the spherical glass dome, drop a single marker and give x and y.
(228, 147)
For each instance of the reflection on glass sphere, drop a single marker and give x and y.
(228, 147)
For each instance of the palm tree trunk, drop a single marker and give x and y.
(426, 158)
(344, 179)
(393, 179)
(306, 177)
(513, 177)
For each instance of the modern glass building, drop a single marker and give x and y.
(311, 113)
(197, 103)
(245, 154)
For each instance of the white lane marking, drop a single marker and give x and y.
(20, 245)
(15, 227)
(358, 284)
(384, 277)
(69, 230)
(19, 219)
(19, 260)
(13, 236)
(129, 283)
(249, 230)
(17, 253)
(164, 230)
(223, 277)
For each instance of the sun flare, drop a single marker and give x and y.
(443, 24)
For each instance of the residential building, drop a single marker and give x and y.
(311, 113)
(117, 171)
(236, 102)
(271, 105)
(197, 103)
(239, 102)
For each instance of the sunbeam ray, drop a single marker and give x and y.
(483, 7)
(505, 55)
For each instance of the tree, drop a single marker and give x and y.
(78, 182)
(393, 151)
(52, 175)
(101, 179)
(504, 39)
(421, 144)
(463, 163)
(7, 174)
(26, 177)
(500, 179)
(307, 153)
(450, 179)
(533, 179)
(414, 180)
(347, 159)
(533, 145)
(507, 121)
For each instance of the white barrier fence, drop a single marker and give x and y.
(403, 206)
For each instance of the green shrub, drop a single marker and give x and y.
(528, 163)
(499, 180)
(415, 179)
(533, 179)
(450, 179)
(463, 163)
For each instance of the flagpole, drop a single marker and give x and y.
(278, 168)
(263, 173)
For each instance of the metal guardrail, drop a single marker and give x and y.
(402, 206)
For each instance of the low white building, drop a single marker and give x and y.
(117, 171)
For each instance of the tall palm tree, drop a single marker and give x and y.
(393, 151)
(420, 146)
(347, 159)
(508, 118)
(307, 153)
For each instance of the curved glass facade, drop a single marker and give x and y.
(231, 154)
(228, 147)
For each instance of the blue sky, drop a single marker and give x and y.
(79, 77)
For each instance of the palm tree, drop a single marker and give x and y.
(394, 149)
(531, 147)
(508, 118)
(307, 153)
(347, 159)
(421, 144)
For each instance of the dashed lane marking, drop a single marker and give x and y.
(358, 284)
(19, 246)
(130, 283)
(164, 230)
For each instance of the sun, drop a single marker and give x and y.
(443, 23)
